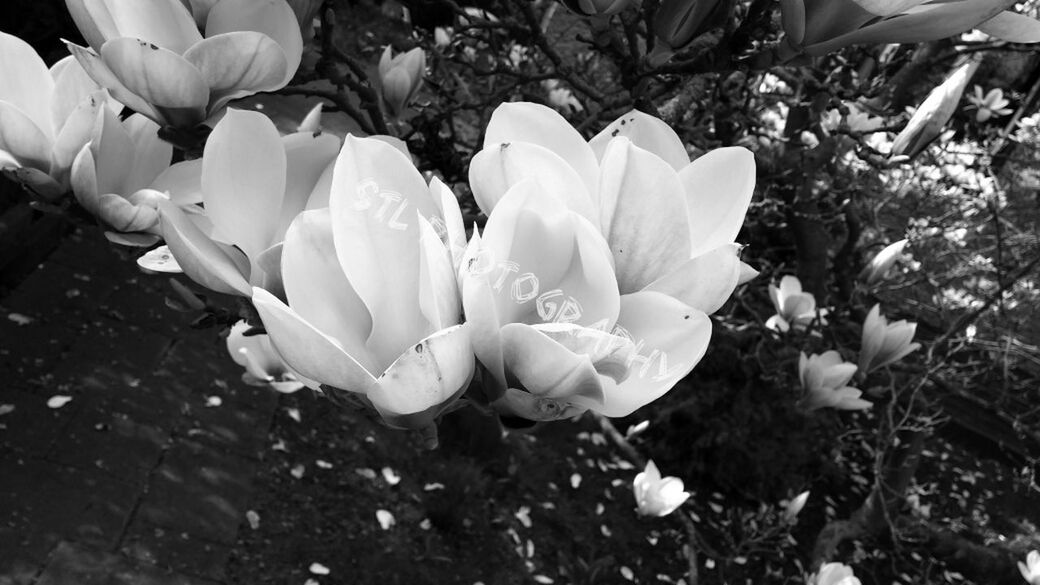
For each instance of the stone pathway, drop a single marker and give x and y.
(145, 475)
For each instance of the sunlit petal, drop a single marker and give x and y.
(497, 167)
(159, 76)
(273, 18)
(705, 282)
(719, 186)
(647, 132)
(27, 84)
(208, 263)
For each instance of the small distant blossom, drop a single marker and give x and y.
(834, 574)
(882, 263)
(795, 308)
(560, 97)
(794, 507)
(928, 121)
(884, 343)
(824, 379)
(830, 120)
(263, 365)
(400, 77)
(860, 120)
(992, 104)
(1031, 568)
(657, 496)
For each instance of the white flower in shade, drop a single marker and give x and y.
(834, 574)
(666, 224)
(46, 116)
(884, 343)
(371, 299)
(400, 77)
(560, 97)
(263, 365)
(115, 176)
(881, 264)
(859, 120)
(794, 507)
(150, 55)
(992, 104)
(795, 308)
(1031, 568)
(253, 184)
(657, 496)
(824, 380)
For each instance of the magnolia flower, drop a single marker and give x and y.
(560, 97)
(657, 496)
(795, 308)
(884, 343)
(794, 507)
(1031, 568)
(371, 301)
(114, 176)
(150, 55)
(834, 574)
(253, 184)
(880, 265)
(935, 111)
(401, 77)
(991, 105)
(46, 116)
(824, 378)
(263, 365)
(667, 225)
(818, 27)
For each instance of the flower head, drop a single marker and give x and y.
(1031, 568)
(795, 308)
(881, 264)
(150, 55)
(657, 496)
(834, 574)
(46, 116)
(884, 343)
(263, 365)
(794, 507)
(400, 77)
(992, 104)
(928, 121)
(824, 378)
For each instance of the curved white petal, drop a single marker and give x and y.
(23, 139)
(100, 72)
(705, 282)
(166, 23)
(27, 84)
(273, 18)
(152, 154)
(208, 263)
(438, 287)
(647, 132)
(182, 182)
(237, 64)
(172, 85)
(454, 229)
(548, 369)
(719, 186)
(307, 156)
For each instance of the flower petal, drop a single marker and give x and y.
(438, 287)
(480, 308)
(1012, 27)
(429, 374)
(643, 214)
(100, 72)
(208, 263)
(454, 235)
(705, 282)
(72, 86)
(164, 79)
(182, 182)
(76, 132)
(308, 350)
(647, 132)
(542, 125)
(670, 338)
(113, 152)
(152, 154)
(237, 64)
(23, 139)
(27, 84)
(318, 291)
(496, 168)
(719, 186)
(274, 18)
(548, 369)
(306, 157)
(166, 23)
(243, 180)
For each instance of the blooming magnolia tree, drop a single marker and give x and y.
(540, 209)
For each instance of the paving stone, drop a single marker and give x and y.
(59, 294)
(207, 361)
(140, 301)
(128, 349)
(87, 250)
(178, 551)
(228, 426)
(199, 490)
(73, 564)
(32, 428)
(29, 353)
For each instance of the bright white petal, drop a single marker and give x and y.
(161, 77)
(647, 132)
(719, 186)
(273, 18)
(705, 282)
(208, 263)
(27, 84)
(166, 23)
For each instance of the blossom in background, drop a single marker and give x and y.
(657, 496)
(150, 55)
(992, 104)
(400, 77)
(253, 183)
(678, 22)
(1031, 568)
(860, 120)
(263, 365)
(824, 379)
(795, 308)
(884, 343)
(46, 116)
(834, 574)
(881, 264)
(371, 304)
(597, 7)
(668, 224)
(928, 121)
(560, 97)
(818, 27)
(794, 507)
(113, 177)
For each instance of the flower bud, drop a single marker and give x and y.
(678, 22)
(881, 264)
(884, 343)
(928, 121)
(401, 77)
(794, 507)
(597, 7)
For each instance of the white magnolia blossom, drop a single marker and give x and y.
(151, 56)
(263, 365)
(834, 574)
(400, 77)
(1031, 568)
(634, 242)
(991, 104)
(825, 379)
(884, 343)
(881, 264)
(656, 495)
(46, 116)
(795, 308)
